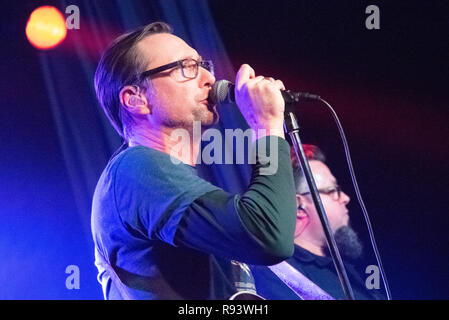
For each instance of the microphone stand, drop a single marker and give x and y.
(291, 127)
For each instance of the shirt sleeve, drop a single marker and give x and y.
(255, 227)
(152, 193)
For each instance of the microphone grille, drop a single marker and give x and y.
(220, 91)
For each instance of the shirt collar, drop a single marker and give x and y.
(304, 255)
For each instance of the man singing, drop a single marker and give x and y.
(160, 231)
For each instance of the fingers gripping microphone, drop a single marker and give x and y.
(223, 92)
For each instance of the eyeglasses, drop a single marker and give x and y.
(189, 68)
(334, 192)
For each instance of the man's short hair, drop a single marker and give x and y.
(118, 66)
(312, 152)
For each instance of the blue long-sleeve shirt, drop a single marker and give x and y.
(168, 234)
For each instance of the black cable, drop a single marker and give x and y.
(359, 197)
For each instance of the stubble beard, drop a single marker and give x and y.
(208, 117)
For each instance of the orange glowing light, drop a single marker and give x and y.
(46, 27)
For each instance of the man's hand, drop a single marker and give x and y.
(260, 101)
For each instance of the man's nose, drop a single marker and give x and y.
(344, 198)
(206, 78)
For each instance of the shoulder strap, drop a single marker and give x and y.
(299, 283)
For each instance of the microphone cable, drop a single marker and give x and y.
(359, 196)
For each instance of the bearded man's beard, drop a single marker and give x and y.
(348, 243)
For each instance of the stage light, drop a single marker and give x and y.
(46, 27)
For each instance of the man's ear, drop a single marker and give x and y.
(302, 218)
(301, 212)
(134, 100)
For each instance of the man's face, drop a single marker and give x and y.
(336, 211)
(175, 101)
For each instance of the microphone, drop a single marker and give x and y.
(223, 91)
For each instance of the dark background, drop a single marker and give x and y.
(388, 86)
